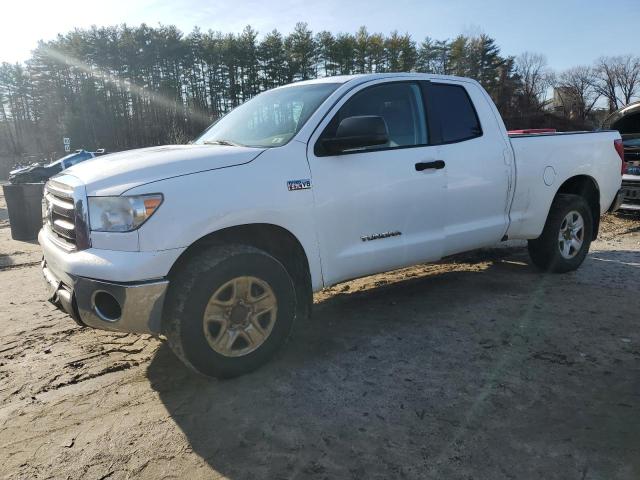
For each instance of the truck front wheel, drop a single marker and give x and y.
(229, 309)
(566, 237)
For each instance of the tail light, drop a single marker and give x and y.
(617, 144)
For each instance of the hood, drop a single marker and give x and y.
(116, 173)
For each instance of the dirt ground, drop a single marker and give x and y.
(478, 367)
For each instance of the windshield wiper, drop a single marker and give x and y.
(228, 143)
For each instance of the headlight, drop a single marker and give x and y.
(121, 214)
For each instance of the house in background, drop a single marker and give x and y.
(566, 103)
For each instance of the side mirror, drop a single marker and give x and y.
(357, 132)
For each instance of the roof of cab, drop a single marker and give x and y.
(366, 77)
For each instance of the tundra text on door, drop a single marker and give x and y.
(393, 209)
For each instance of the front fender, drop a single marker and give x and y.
(203, 203)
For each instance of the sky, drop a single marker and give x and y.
(567, 32)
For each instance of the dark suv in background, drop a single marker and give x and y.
(37, 173)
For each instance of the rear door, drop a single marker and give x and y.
(374, 209)
(478, 164)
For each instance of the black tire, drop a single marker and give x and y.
(190, 290)
(545, 251)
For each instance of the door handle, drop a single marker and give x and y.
(436, 165)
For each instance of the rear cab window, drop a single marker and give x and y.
(451, 113)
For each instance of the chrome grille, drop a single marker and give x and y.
(61, 215)
(66, 221)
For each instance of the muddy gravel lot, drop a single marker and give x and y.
(479, 367)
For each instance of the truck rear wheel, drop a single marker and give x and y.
(229, 309)
(566, 237)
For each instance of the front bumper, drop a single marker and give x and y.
(130, 286)
(130, 307)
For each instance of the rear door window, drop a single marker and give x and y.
(452, 112)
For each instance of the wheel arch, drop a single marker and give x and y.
(587, 187)
(273, 239)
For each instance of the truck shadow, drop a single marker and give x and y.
(475, 370)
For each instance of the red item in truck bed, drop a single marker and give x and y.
(530, 131)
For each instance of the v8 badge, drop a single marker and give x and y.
(302, 184)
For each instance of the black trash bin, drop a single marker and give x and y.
(24, 203)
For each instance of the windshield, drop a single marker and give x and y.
(270, 119)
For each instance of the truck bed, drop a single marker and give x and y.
(544, 160)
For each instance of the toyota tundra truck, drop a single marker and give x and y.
(219, 245)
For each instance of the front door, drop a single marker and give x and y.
(378, 208)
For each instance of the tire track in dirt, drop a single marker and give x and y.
(19, 265)
(73, 354)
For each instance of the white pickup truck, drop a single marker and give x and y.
(218, 245)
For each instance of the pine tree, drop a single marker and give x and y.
(362, 47)
(326, 53)
(272, 61)
(301, 53)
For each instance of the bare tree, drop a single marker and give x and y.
(576, 89)
(628, 76)
(536, 78)
(606, 72)
(618, 79)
